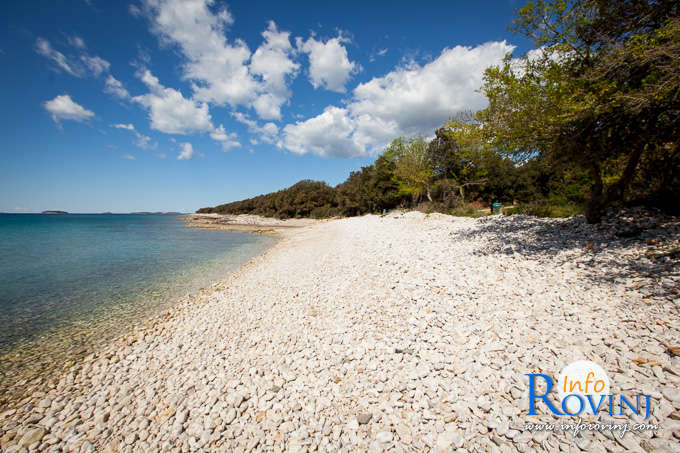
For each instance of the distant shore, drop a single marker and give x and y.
(248, 223)
(410, 331)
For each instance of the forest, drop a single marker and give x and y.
(585, 122)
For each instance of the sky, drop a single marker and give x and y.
(173, 105)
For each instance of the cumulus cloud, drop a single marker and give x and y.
(218, 68)
(273, 62)
(409, 100)
(328, 135)
(222, 71)
(143, 141)
(329, 66)
(128, 156)
(170, 111)
(227, 141)
(186, 151)
(62, 107)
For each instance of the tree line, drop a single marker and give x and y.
(586, 121)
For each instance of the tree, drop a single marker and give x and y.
(602, 90)
(411, 166)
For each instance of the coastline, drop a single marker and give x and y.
(34, 363)
(411, 330)
(247, 223)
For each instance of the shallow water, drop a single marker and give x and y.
(68, 282)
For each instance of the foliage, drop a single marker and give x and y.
(588, 119)
(303, 199)
(412, 170)
(603, 91)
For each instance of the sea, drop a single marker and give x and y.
(70, 282)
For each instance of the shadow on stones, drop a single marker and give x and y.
(633, 246)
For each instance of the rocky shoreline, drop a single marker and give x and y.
(248, 223)
(407, 332)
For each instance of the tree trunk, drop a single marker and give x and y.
(595, 203)
(427, 192)
(599, 198)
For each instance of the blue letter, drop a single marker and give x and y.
(624, 400)
(564, 404)
(647, 404)
(592, 406)
(544, 397)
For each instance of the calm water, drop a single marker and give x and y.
(65, 279)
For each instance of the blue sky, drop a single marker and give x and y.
(173, 105)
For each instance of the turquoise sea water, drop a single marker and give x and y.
(74, 279)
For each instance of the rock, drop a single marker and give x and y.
(130, 438)
(87, 447)
(384, 437)
(101, 418)
(364, 417)
(448, 441)
(671, 394)
(229, 416)
(32, 436)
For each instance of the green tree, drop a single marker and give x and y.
(602, 90)
(411, 166)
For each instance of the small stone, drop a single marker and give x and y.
(353, 424)
(130, 438)
(384, 437)
(87, 447)
(448, 441)
(671, 394)
(364, 418)
(101, 418)
(230, 416)
(32, 436)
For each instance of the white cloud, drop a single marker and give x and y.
(170, 111)
(329, 66)
(96, 65)
(186, 152)
(44, 48)
(222, 71)
(407, 101)
(273, 62)
(143, 141)
(219, 68)
(62, 107)
(76, 41)
(227, 141)
(128, 127)
(114, 87)
(84, 66)
(379, 53)
(128, 156)
(328, 135)
(268, 132)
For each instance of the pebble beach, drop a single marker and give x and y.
(404, 332)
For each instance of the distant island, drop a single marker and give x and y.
(54, 212)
